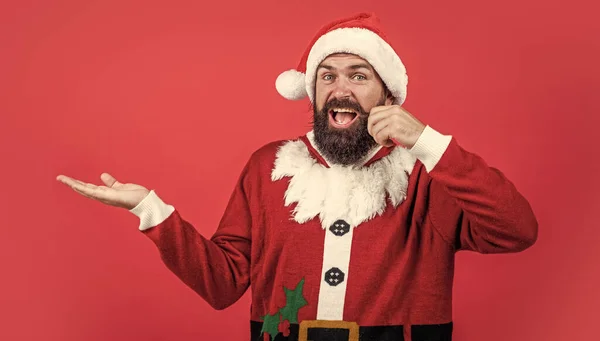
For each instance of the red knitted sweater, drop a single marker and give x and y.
(372, 245)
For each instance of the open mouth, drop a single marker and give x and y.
(342, 117)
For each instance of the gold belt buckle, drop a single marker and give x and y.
(352, 327)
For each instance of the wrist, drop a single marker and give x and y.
(151, 211)
(430, 147)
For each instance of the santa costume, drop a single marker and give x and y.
(332, 252)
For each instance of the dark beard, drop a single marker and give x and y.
(343, 146)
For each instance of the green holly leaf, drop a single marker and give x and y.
(270, 323)
(294, 301)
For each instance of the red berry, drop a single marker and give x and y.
(284, 328)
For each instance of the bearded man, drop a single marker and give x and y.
(350, 231)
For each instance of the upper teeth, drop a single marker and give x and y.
(343, 110)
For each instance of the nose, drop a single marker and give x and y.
(342, 89)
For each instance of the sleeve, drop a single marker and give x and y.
(216, 268)
(472, 205)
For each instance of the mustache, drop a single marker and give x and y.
(344, 103)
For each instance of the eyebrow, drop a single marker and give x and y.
(352, 67)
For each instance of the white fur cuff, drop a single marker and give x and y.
(430, 147)
(152, 211)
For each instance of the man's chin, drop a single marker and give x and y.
(342, 144)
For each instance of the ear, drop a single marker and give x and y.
(389, 98)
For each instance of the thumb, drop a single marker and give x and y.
(109, 180)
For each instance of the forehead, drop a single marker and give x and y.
(344, 60)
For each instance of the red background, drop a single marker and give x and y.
(175, 96)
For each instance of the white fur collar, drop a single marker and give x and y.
(353, 193)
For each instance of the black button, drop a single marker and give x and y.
(334, 276)
(340, 228)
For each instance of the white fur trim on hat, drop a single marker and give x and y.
(369, 46)
(291, 84)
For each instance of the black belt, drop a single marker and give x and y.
(350, 331)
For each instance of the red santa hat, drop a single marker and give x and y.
(361, 35)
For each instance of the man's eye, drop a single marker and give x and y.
(328, 77)
(360, 77)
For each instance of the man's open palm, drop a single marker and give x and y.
(112, 193)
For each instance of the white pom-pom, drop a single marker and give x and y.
(291, 84)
